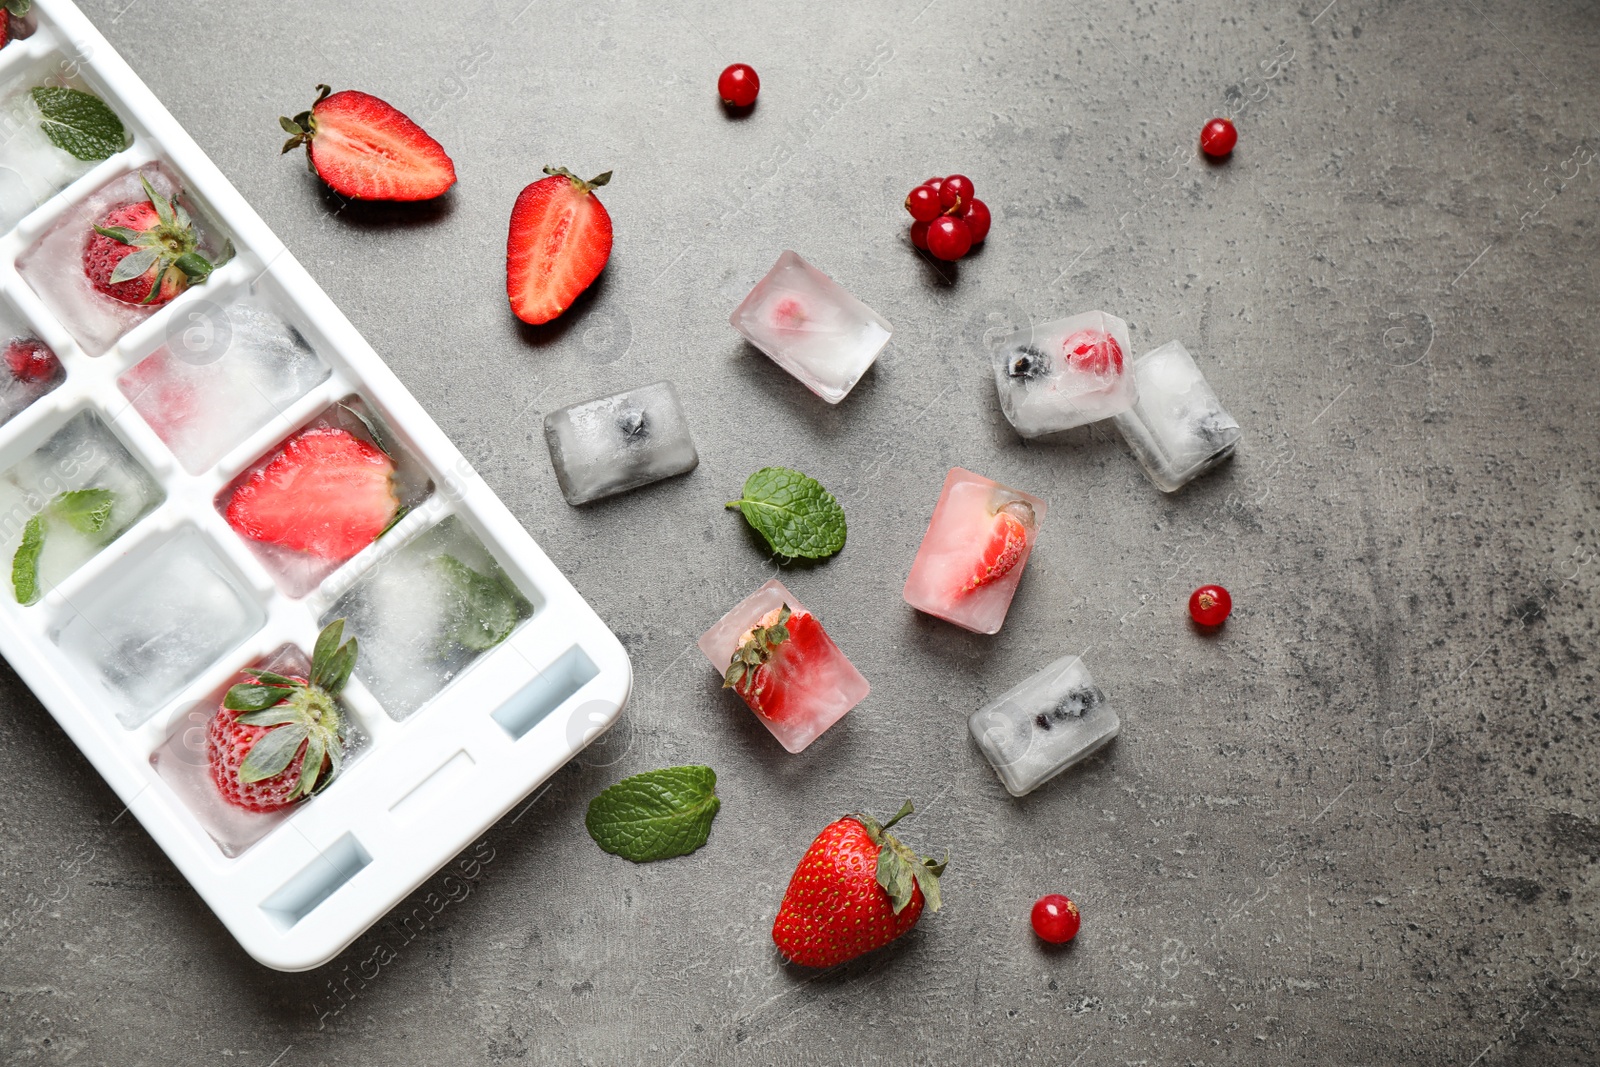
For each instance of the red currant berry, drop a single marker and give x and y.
(955, 191)
(30, 360)
(919, 235)
(1209, 605)
(1055, 919)
(923, 203)
(949, 238)
(1218, 137)
(977, 218)
(934, 183)
(738, 85)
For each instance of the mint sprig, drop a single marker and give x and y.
(655, 815)
(482, 612)
(79, 123)
(85, 510)
(25, 563)
(797, 516)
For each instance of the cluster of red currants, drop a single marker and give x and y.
(949, 219)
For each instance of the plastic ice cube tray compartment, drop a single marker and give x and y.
(421, 786)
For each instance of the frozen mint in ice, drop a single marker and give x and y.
(79, 123)
(655, 815)
(25, 564)
(482, 612)
(796, 515)
(85, 510)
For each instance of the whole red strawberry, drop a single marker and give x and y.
(367, 149)
(277, 740)
(559, 243)
(857, 888)
(10, 9)
(145, 252)
(777, 648)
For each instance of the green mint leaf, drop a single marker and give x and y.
(655, 815)
(793, 512)
(482, 611)
(25, 564)
(79, 123)
(85, 510)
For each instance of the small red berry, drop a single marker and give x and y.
(1209, 605)
(955, 191)
(919, 235)
(934, 183)
(949, 238)
(923, 203)
(738, 85)
(1218, 137)
(30, 360)
(977, 218)
(1055, 919)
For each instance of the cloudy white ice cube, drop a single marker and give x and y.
(1178, 429)
(616, 443)
(1063, 374)
(809, 325)
(1052, 720)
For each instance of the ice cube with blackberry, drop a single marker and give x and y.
(616, 443)
(1063, 374)
(1052, 720)
(1178, 428)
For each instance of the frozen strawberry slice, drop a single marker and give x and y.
(780, 648)
(1093, 352)
(1007, 544)
(328, 493)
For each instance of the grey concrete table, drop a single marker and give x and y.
(1359, 827)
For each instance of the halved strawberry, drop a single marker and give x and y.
(1005, 548)
(1093, 351)
(560, 241)
(777, 647)
(146, 252)
(368, 150)
(328, 493)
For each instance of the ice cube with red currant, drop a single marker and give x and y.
(809, 325)
(1051, 720)
(775, 654)
(973, 555)
(31, 369)
(1177, 428)
(1063, 374)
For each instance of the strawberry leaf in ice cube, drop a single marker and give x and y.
(79, 123)
(796, 515)
(25, 564)
(655, 815)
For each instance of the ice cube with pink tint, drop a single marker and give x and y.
(1063, 374)
(805, 684)
(974, 552)
(811, 327)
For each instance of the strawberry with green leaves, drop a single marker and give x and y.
(11, 9)
(277, 740)
(857, 888)
(780, 646)
(146, 252)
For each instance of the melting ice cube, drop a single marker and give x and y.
(1038, 729)
(1178, 429)
(1064, 374)
(616, 443)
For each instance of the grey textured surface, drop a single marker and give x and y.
(1360, 826)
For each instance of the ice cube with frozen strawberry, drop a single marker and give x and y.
(973, 555)
(1063, 374)
(775, 654)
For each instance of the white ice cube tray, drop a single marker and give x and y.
(420, 789)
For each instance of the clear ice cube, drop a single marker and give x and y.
(425, 613)
(54, 265)
(1038, 729)
(974, 552)
(83, 454)
(226, 372)
(1178, 429)
(297, 572)
(30, 370)
(1063, 374)
(157, 623)
(806, 685)
(607, 446)
(811, 327)
(32, 168)
(183, 763)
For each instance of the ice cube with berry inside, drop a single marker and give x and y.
(1063, 374)
(157, 623)
(323, 494)
(31, 369)
(34, 165)
(777, 657)
(616, 443)
(87, 267)
(425, 613)
(66, 501)
(1052, 720)
(224, 372)
(1178, 428)
(811, 327)
(972, 557)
